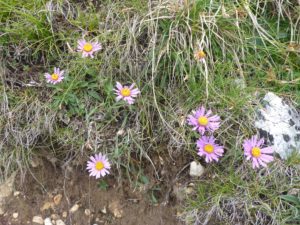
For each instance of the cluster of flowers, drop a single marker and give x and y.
(205, 122)
(126, 93)
(98, 165)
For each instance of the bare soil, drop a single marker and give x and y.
(120, 203)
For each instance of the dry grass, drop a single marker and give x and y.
(151, 43)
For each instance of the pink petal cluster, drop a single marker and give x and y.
(88, 48)
(204, 121)
(98, 165)
(55, 77)
(253, 151)
(208, 148)
(127, 93)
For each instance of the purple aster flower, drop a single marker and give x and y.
(253, 150)
(127, 93)
(88, 48)
(209, 149)
(203, 121)
(55, 77)
(98, 166)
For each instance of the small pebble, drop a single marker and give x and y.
(15, 215)
(47, 221)
(38, 220)
(196, 169)
(57, 199)
(54, 217)
(60, 222)
(64, 214)
(74, 208)
(87, 212)
(16, 193)
(104, 211)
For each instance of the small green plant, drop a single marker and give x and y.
(103, 185)
(293, 203)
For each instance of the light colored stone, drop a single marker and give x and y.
(115, 208)
(48, 221)
(87, 212)
(35, 161)
(54, 216)
(279, 123)
(74, 208)
(104, 211)
(196, 169)
(46, 206)
(38, 220)
(64, 214)
(16, 193)
(189, 190)
(57, 199)
(60, 222)
(15, 215)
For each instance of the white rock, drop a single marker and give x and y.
(196, 169)
(15, 215)
(47, 221)
(38, 220)
(87, 212)
(115, 208)
(16, 193)
(104, 211)
(64, 214)
(74, 208)
(279, 123)
(60, 222)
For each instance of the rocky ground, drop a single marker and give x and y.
(52, 196)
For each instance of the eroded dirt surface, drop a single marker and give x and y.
(38, 194)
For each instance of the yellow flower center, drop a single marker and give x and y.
(256, 152)
(200, 54)
(88, 47)
(54, 76)
(125, 92)
(202, 120)
(99, 166)
(209, 148)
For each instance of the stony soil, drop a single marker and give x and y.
(70, 195)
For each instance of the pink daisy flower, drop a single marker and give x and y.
(55, 77)
(209, 149)
(200, 55)
(204, 121)
(127, 93)
(98, 165)
(254, 151)
(88, 48)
